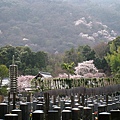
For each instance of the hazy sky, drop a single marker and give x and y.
(106, 1)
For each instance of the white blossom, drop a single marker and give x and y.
(95, 34)
(25, 39)
(24, 82)
(86, 36)
(85, 67)
(84, 22)
(113, 33)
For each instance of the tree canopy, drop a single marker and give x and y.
(30, 62)
(113, 57)
(68, 67)
(4, 72)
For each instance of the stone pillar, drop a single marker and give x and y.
(104, 116)
(72, 101)
(34, 105)
(109, 107)
(46, 97)
(75, 113)
(115, 114)
(62, 104)
(83, 100)
(53, 115)
(3, 110)
(87, 114)
(11, 117)
(10, 107)
(92, 107)
(18, 112)
(54, 99)
(39, 107)
(59, 111)
(67, 104)
(25, 112)
(38, 115)
(81, 111)
(66, 114)
(102, 108)
(29, 104)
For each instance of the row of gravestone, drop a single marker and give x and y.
(73, 114)
(109, 89)
(64, 108)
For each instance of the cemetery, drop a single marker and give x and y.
(59, 60)
(62, 98)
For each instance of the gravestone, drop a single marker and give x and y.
(11, 117)
(87, 113)
(38, 115)
(104, 116)
(115, 114)
(75, 113)
(66, 114)
(18, 112)
(3, 110)
(25, 112)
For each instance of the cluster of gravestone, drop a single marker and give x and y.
(73, 107)
(109, 89)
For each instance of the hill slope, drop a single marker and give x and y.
(57, 25)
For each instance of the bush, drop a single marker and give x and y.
(3, 90)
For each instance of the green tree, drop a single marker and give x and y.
(28, 62)
(41, 59)
(69, 68)
(71, 55)
(101, 50)
(6, 54)
(114, 61)
(99, 61)
(88, 53)
(113, 57)
(74, 55)
(4, 72)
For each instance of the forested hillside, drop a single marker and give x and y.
(58, 25)
(106, 59)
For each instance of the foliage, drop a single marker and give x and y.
(54, 64)
(28, 62)
(113, 57)
(117, 76)
(4, 72)
(88, 53)
(49, 25)
(66, 83)
(3, 90)
(68, 67)
(101, 50)
(80, 54)
(6, 54)
(71, 56)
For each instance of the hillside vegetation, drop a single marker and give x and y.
(106, 58)
(58, 25)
